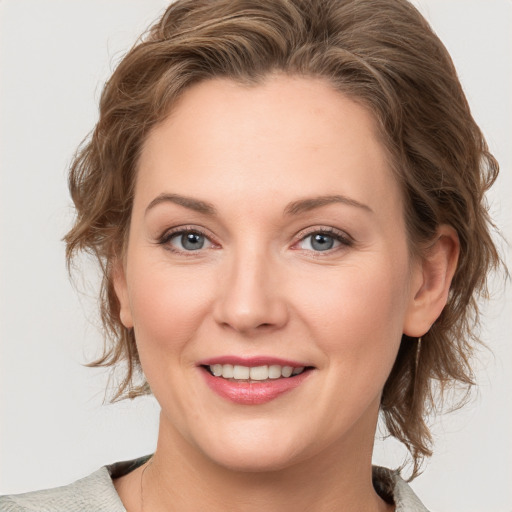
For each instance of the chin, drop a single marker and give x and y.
(254, 450)
(253, 461)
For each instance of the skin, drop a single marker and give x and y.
(259, 287)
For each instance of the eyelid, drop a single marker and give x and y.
(168, 234)
(324, 229)
(341, 236)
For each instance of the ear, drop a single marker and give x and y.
(121, 289)
(431, 282)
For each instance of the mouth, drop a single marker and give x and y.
(253, 382)
(261, 373)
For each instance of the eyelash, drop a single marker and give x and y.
(343, 239)
(338, 236)
(169, 235)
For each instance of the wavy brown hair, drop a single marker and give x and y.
(381, 53)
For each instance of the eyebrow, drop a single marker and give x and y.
(305, 205)
(188, 202)
(293, 208)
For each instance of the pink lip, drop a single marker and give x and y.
(251, 361)
(252, 392)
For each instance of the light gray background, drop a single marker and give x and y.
(55, 55)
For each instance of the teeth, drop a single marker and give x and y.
(274, 371)
(238, 372)
(216, 369)
(259, 373)
(241, 372)
(287, 371)
(227, 371)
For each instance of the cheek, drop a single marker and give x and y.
(167, 303)
(355, 318)
(356, 312)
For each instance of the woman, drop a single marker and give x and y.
(286, 199)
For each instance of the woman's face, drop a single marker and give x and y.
(267, 232)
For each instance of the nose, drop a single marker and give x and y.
(250, 297)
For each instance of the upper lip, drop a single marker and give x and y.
(251, 361)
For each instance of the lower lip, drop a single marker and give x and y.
(253, 392)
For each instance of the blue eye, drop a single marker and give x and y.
(321, 241)
(186, 241)
(192, 241)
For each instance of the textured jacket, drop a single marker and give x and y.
(96, 493)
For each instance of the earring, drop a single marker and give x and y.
(416, 363)
(418, 351)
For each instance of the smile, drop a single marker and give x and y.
(253, 381)
(254, 373)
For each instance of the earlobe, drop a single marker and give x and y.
(121, 289)
(431, 288)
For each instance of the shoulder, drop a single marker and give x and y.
(95, 492)
(392, 487)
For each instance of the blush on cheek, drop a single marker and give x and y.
(356, 312)
(166, 306)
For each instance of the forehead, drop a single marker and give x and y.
(286, 137)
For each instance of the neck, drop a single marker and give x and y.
(180, 477)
